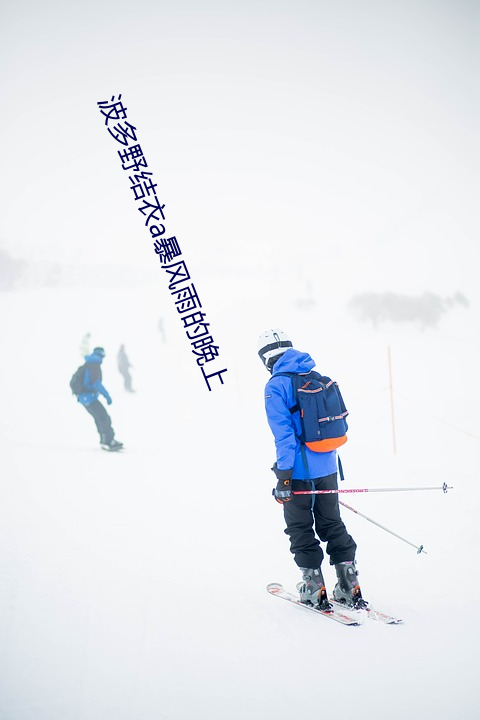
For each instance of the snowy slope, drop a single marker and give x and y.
(133, 585)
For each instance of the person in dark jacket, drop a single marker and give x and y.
(124, 366)
(93, 387)
(309, 518)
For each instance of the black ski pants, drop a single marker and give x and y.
(102, 421)
(309, 517)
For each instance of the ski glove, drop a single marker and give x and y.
(283, 492)
(108, 399)
(282, 474)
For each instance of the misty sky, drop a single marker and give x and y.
(347, 130)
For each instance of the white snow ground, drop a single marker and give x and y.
(132, 586)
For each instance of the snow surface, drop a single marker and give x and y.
(133, 584)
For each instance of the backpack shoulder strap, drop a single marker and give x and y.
(294, 378)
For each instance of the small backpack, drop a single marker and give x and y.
(77, 382)
(322, 411)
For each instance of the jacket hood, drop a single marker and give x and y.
(93, 358)
(293, 361)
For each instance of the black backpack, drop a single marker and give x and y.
(77, 382)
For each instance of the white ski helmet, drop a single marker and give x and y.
(271, 344)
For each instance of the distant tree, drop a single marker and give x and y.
(459, 298)
(10, 270)
(427, 309)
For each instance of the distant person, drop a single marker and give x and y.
(124, 368)
(85, 345)
(306, 464)
(86, 384)
(161, 329)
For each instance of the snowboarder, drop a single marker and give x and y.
(123, 366)
(88, 397)
(308, 518)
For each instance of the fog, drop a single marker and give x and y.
(319, 169)
(346, 131)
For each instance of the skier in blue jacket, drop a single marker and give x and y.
(308, 518)
(93, 387)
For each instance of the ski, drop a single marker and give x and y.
(371, 613)
(336, 613)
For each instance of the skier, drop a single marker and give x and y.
(299, 468)
(85, 345)
(123, 366)
(88, 397)
(161, 329)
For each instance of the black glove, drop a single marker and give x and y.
(282, 474)
(283, 492)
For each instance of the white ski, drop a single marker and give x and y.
(336, 613)
(371, 613)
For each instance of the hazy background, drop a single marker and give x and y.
(307, 156)
(346, 132)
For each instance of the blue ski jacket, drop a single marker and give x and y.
(285, 426)
(93, 381)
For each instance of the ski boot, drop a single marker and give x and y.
(312, 589)
(112, 446)
(347, 590)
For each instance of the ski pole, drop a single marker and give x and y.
(443, 487)
(419, 548)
